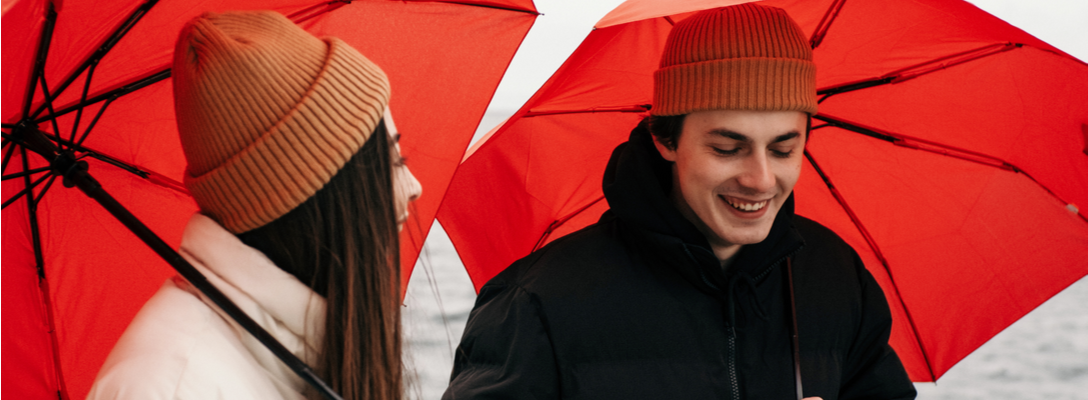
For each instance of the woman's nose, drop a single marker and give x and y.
(414, 187)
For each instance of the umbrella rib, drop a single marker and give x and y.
(43, 53)
(49, 104)
(621, 109)
(28, 191)
(918, 144)
(32, 208)
(922, 68)
(48, 184)
(825, 23)
(24, 173)
(111, 94)
(308, 13)
(876, 251)
(151, 176)
(103, 49)
(119, 164)
(135, 170)
(7, 155)
(495, 7)
(938, 148)
(562, 220)
(82, 98)
(94, 121)
(43, 285)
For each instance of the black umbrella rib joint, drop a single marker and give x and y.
(65, 160)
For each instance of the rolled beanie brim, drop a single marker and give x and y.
(766, 84)
(299, 154)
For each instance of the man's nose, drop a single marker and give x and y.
(757, 175)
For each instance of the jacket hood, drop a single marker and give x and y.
(636, 184)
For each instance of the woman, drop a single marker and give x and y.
(294, 164)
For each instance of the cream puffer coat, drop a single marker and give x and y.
(181, 346)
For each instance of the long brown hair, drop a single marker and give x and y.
(343, 243)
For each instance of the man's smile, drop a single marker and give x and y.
(745, 205)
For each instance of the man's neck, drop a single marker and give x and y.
(725, 254)
(723, 251)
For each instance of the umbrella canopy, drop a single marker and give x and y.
(949, 151)
(93, 76)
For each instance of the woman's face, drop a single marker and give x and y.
(406, 188)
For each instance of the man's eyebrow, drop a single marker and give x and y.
(730, 135)
(742, 138)
(785, 137)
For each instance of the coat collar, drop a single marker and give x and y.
(289, 310)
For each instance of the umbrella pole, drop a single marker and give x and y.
(794, 340)
(75, 173)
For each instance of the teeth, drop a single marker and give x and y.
(749, 206)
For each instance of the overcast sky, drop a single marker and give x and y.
(1061, 23)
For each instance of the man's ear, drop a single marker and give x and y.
(666, 152)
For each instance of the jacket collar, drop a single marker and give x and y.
(289, 310)
(636, 183)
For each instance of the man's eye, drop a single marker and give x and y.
(781, 153)
(726, 152)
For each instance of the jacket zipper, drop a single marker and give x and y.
(731, 344)
(734, 381)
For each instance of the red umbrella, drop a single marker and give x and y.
(949, 151)
(74, 276)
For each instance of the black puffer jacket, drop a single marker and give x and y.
(636, 307)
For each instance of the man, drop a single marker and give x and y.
(683, 288)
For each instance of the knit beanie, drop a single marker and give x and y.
(268, 113)
(742, 57)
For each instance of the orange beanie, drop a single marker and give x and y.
(742, 57)
(268, 113)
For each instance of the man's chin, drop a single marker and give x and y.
(745, 235)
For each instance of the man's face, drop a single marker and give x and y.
(733, 170)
